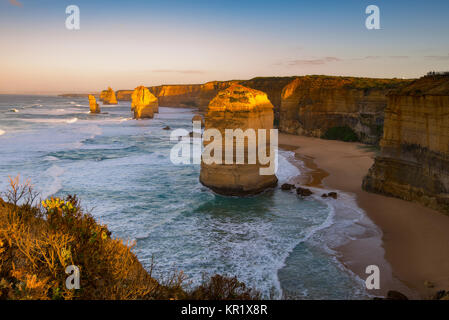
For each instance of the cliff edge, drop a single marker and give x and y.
(414, 160)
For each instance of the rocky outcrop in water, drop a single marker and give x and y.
(143, 103)
(108, 96)
(414, 159)
(237, 107)
(93, 105)
(312, 105)
(150, 98)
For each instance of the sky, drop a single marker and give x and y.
(124, 44)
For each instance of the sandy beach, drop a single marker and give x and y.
(413, 248)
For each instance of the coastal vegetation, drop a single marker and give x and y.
(38, 241)
(344, 133)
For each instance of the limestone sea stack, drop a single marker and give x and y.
(238, 107)
(94, 107)
(414, 159)
(143, 103)
(151, 96)
(108, 96)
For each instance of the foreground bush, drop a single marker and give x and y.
(38, 242)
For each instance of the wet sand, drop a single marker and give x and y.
(414, 245)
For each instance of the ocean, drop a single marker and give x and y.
(275, 242)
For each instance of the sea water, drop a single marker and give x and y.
(275, 242)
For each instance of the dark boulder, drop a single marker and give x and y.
(330, 194)
(303, 192)
(287, 186)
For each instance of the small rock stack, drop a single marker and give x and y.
(94, 107)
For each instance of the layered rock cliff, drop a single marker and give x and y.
(143, 103)
(312, 105)
(414, 159)
(199, 95)
(93, 105)
(108, 96)
(237, 107)
(273, 87)
(124, 95)
(190, 95)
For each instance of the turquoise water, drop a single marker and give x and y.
(121, 170)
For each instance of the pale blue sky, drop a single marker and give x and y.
(127, 43)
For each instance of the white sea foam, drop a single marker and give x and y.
(72, 120)
(346, 221)
(50, 158)
(286, 170)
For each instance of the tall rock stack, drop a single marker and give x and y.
(238, 107)
(135, 99)
(94, 107)
(143, 103)
(108, 96)
(414, 160)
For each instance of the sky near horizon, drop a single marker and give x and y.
(123, 44)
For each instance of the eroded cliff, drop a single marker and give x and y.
(414, 160)
(315, 106)
(123, 95)
(311, 105)
(189, 95)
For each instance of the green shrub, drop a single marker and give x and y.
(344, 133)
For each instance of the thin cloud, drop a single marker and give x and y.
(438, 57)
(318, 61)
(380, 57)
(370, 58)
(179, 71)
(15, 3)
